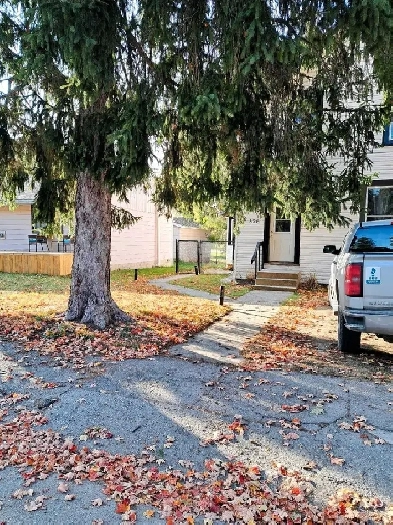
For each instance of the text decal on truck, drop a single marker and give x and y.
(373, 275)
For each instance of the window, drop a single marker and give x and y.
(379, 203)
(283, 225)
(373, 239)
(391, 132)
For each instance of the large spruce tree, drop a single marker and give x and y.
(246, 101)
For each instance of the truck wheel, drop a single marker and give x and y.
(348, 340)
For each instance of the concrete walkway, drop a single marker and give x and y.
(223, 340)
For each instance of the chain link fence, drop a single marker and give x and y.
(199, 256)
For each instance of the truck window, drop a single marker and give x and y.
(373, 239)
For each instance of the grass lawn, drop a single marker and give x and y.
(211, 283)
(120, 280)
(31, 308)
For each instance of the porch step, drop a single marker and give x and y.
(277, 288)
(269, 274)
(277, 280)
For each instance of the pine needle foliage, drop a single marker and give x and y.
(247, 100)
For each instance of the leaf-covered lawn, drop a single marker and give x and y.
(302, 337)
(211, 283)
(32, 315)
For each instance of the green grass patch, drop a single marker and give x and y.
(211, 283)
(292, 299)
(13, 282)
(120, 276)
(20, 282)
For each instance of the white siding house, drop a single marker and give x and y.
(15, 224)
(288, 242)
(147, 243)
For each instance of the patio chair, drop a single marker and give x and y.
(67, 242)
(42, 241)
(32, 241)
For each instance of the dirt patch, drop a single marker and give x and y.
(303, 337)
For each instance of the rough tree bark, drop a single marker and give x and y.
(90, 299)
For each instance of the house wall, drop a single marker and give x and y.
(165, 241)
(17, 225)
(192, 234)
(148, 242)
(312, 258)
(250, 233)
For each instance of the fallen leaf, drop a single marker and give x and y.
(337, 461)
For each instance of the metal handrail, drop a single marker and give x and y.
(258, 257)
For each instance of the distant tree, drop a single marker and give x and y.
(210, 217)
(231, 90)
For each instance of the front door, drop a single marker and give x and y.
(282, 238)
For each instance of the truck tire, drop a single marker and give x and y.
(348, 340)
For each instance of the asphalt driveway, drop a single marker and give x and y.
(336, 432)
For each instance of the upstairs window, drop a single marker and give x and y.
(380, 203)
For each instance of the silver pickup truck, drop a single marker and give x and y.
(361, 283)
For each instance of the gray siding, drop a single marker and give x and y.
(312, 259)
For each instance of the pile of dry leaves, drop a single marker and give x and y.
(302, 337)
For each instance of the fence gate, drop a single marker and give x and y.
(200, 255)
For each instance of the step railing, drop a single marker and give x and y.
(258, 258)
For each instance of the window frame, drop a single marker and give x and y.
(374, 217)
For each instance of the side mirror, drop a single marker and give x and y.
(331, 248)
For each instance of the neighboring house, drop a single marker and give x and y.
(148, 243)
(15, 223)
(287, 241)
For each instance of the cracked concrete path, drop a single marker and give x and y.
(223, 341)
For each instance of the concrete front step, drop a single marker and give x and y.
(276, 281)
(266, 274)
(275, 288)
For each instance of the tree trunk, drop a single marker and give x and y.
(90, 299)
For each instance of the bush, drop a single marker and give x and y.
(309, 282)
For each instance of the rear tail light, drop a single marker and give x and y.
(353, 284)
